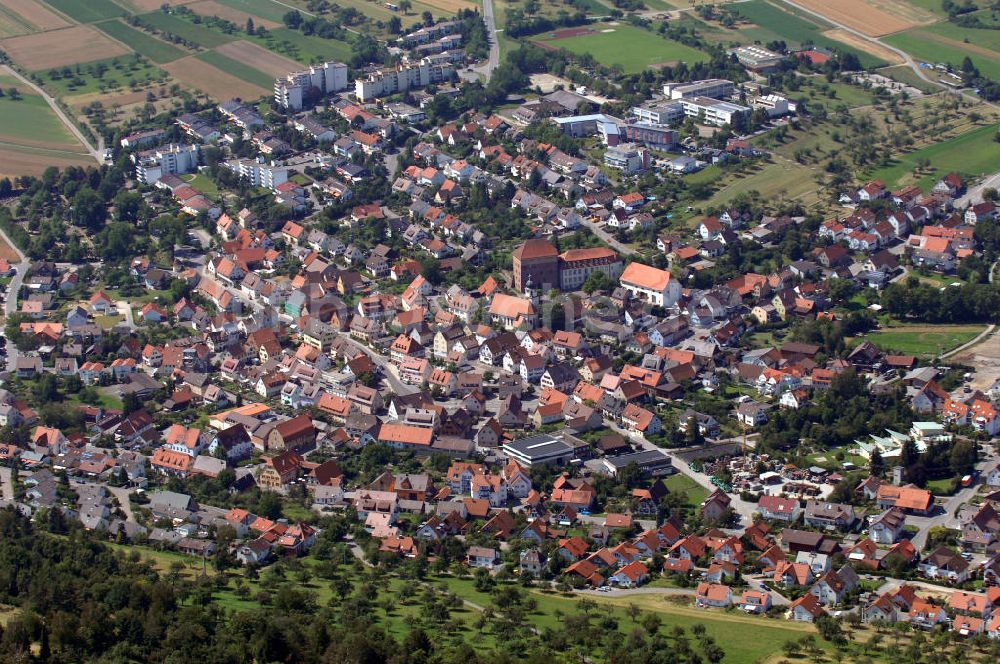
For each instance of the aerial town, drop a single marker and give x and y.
(480, 337)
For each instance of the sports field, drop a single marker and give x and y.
(924, 340)
(633, 49)
(141, 42)
(972, 153)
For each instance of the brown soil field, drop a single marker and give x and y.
(212, 81)
(58, 48)
(107, 100)
(567, 33)
(17, 160)
(259, 58)
(8, 253)
(237, 16)
(37, 14)
(872, 48)
(985, 357)
(861, 15)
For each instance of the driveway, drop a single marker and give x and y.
(6, 487)
(125, 311)
(121, 493)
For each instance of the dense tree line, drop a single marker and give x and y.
(847, 410)
(918, 301)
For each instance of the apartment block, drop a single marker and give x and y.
(292, 90)
(173, 159)
(258, 174)
(385, 82)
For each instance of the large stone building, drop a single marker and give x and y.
(540, 263)
(536, 261)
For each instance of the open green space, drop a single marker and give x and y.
(780, 180)
(773, 23)
(156, 50)
(632, 48)
(202, 183)
(307, 49)
(929, 47)
(198, 34)
(696, 493)
(905, 75)
(923, 340)
(266, 9)
(102, 75)
(238, 69)
(973, 153)
(87, 11)
(31, 119)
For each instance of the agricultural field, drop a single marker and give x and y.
(270, 63)
(102, 76)
(267, 10)
(86, 11)
(631, 48)
(198, 34)
(19, 17)
(972, 153)
(230, 12)
(142, 43)
(211, 80)
(933, 47)
(871, 17)
(307, 49)
(58, 48)
(239, 69)
(905, 75)
(923, 340)
(768, 22)
(31, 135)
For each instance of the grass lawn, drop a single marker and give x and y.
(199, 34)
(86, 11)
(903, 74)
(973, 153)
(238, 69)
(202, 183)
(940, 487)
(744, 639)
(632, 48)
(31, 119)
(107, 322)
(307, 49)
(923, 340)
(934, 47)
(781, 180)
(696, 493)
(141, 42)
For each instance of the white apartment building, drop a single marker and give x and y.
(258, 174)
(715, 112)
(385, 82)
(719, 88)
(775, 105)
(627, 157)
(173, 159)
(329, 77)
(661, 113)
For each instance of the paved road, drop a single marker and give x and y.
(98, 152)
(607, 237)
(6, 488)
(975, 194)
(13, 288)
(121, 493)
(493, 61)
(125, 311)
(741, 507)
(946, 516)
(388, 370)
(910, 62)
